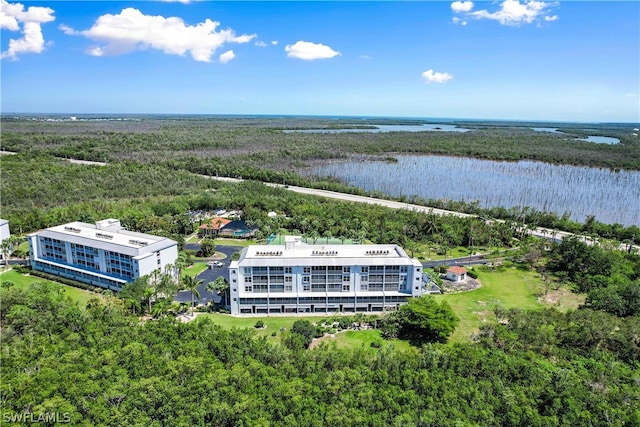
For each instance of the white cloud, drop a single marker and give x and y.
(512, 12)
(32, 41)
(227, 56)
(131, 30)
(67, 30)
(457, 20)
(260, 43)
(94, 51)
(461, 6)
(274, 42)
(309, 51)
(431, 76)
(176, 1)
(364, 57)
(551, 18)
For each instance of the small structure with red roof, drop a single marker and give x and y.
(212, 228)
(456, 274)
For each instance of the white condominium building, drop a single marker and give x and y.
(300, 278)
(4, 234)
(101, 254)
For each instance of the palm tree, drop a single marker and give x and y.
(222, 286)
(167, 286)
(192, 283)
(5, 247)
(180, 264)
(211, 287)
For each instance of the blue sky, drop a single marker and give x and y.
(511, 60)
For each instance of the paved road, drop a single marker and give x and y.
(209, 275)
(369, 200)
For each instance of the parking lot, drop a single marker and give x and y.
(210, 275)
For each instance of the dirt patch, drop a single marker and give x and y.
(562, 297)
(484, 315)
(465, 285)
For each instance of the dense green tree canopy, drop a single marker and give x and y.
(101, 366)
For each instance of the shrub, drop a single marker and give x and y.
(472, 274)
(259, 324)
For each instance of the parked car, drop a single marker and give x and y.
(218, 264)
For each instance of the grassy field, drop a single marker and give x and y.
(273, 323)
(347, 339)
(195, 269)
(509, 288)
(364, 339)
(22, 281)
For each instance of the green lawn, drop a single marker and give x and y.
(347, 339)
(195, 269)
(509, 288)
(364, 339)
(193, 239)
(22, 281)
(273, 323)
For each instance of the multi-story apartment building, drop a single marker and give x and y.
(101, 254)
(295, 278)
(4, 234)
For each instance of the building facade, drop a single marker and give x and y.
(101, 254)
(299, 278)
(4, 235)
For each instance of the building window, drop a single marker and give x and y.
(364, 287)
(288, 270)
(346, 287)
(247, 270)
(247, 280)
(307, 270)
(346, 269)
(306, 287)
(364, 278)
(365, 269)
(248, 288)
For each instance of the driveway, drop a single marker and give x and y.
(209, 275)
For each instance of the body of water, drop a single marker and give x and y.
(613, 197)
(390, 128)
(550, 130)
(601, 139)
